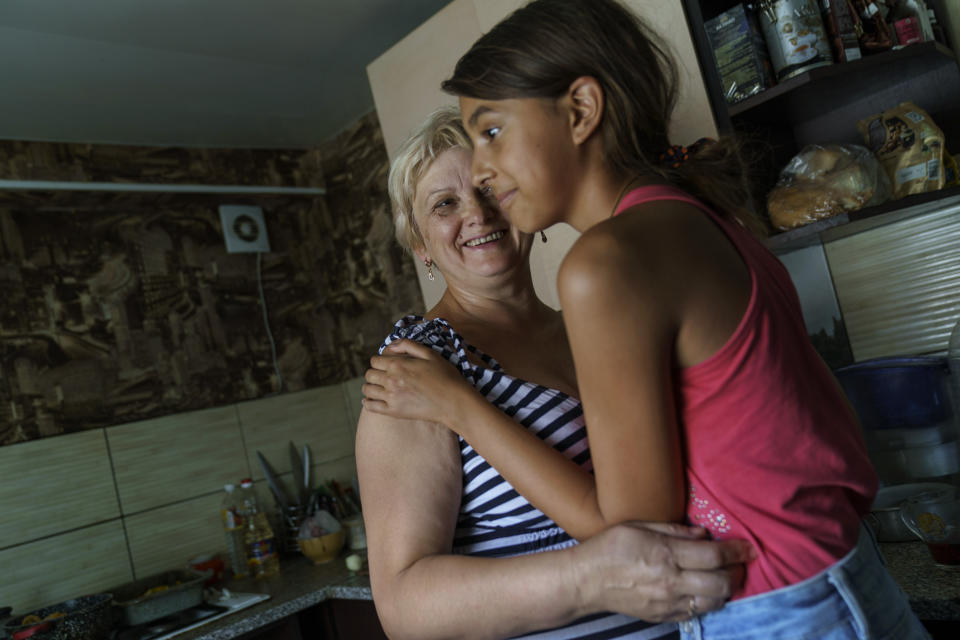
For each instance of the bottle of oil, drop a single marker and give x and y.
(261, 545)
(231, 509)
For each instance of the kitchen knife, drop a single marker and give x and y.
(306, 469)
(272, 481)
(296, 465)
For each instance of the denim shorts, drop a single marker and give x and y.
(856, 598)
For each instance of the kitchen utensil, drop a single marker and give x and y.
(271, 478)
(85, 618)
(296, 465)
(935, 517)
(884, 517)
(306, 469)
(288, 528)
(160, 595)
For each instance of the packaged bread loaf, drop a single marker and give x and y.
(824, 180)
(909, 146)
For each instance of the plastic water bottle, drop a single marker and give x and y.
(263, 559)
(231, 509)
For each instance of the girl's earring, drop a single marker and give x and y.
(543, 236)
(429, 263)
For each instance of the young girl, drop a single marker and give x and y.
(703, 396)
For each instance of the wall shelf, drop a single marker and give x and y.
(823, 105)
(846, 224)
(824, 89)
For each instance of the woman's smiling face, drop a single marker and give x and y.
(464, 231)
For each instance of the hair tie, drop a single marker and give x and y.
(677, 154)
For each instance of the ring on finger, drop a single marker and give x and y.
(692, 606)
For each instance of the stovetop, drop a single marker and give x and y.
(191, 618)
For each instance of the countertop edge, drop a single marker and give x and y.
(298, 587)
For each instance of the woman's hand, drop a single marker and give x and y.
(659, 571)
(414, 382)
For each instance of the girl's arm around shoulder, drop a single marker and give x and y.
(410, 489)
(620, 303)
(410, 381)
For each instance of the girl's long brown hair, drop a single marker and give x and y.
(541, 48)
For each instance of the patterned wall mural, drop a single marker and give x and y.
(119, 306)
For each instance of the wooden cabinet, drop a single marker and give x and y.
(824, 105)
(342, 620)
(329, 620)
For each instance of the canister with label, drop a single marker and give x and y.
(795, 36)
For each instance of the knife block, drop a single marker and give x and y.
(288, 528)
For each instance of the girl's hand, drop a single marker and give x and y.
(414, 382)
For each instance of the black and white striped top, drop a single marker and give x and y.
(495, 521)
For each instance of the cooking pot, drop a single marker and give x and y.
(884, 517)
(897, 393)
(85, 618)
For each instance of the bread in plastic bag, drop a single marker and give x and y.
(824, 180)
(909, 146)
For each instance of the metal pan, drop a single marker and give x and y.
(184, 589)
(85, 618)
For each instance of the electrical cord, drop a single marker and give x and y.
(266, 321)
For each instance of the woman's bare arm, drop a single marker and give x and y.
(410, 481)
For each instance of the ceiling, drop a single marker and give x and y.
(211, 73)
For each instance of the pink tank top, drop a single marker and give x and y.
(774, 454)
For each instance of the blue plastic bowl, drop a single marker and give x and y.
(898, 393)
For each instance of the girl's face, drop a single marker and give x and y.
(523, 150)
(465, 233)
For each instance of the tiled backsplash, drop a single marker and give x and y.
(92, 510)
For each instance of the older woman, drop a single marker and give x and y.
(454, 550)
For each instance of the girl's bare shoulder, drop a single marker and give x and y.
(635, 248)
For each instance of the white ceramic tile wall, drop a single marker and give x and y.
(49, 487)
(175, 457)
(168, 537)
(92, 510)
(353, 395)
(65, 566)
(317, 418)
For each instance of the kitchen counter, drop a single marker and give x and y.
(934, 593)
(300, 585)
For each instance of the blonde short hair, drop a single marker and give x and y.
(441, 131)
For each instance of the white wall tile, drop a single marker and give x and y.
(317, 418)
(169, 537)
(176, 457)
(53, 485)
(55, 569)
(353, 397)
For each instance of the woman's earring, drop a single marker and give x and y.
(543, 236)
(429, 263)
